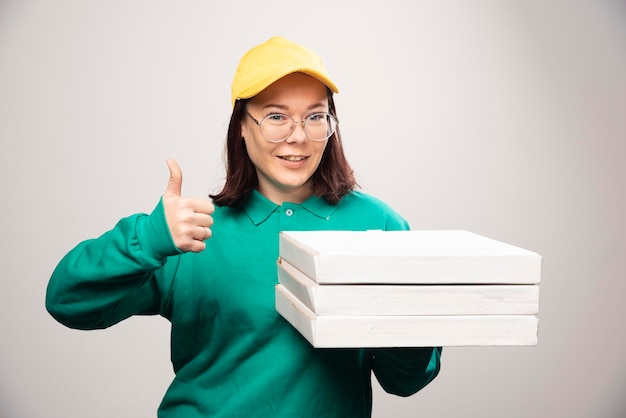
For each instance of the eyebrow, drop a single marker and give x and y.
(285, 107)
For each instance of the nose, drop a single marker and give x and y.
(297, 135)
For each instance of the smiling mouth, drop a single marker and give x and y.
(293, 158)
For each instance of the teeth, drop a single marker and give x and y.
(294, 158)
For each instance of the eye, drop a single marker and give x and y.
(316, 117)
(277, 117)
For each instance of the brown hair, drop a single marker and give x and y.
(332, 180)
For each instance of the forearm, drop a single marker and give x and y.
(104, 280)
(404, 371)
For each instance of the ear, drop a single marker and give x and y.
(245, 130)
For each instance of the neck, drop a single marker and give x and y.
(280, 196)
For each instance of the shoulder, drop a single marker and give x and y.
(361, 204)
(364, 200)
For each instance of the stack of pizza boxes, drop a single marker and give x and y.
(407, 289)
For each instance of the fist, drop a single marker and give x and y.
(189, 220)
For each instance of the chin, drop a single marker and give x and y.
(295, 185)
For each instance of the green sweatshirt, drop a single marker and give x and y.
(232, 353)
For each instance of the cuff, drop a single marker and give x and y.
(154, 235)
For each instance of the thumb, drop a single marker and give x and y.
(175, 182)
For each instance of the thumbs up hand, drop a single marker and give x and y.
(188, 219)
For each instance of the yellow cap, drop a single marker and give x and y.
(272, 60)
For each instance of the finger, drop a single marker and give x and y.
(205, 234)
(203, 206)
(175, 183)
(199, 219)
(196, 246)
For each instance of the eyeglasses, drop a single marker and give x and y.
(277, 127)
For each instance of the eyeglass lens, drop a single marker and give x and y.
(317, 127)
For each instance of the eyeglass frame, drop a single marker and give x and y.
(303, 122)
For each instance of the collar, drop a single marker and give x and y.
(259, 208)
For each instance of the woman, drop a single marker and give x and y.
(211, 270)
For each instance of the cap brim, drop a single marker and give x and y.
(258, 87)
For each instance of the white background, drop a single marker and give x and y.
(505, 118)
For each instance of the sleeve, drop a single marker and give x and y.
(105, 280)
(405, 371)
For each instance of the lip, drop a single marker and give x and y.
(293, 161)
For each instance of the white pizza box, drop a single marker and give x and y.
(408, 257)
(339, 331)
(409, 299)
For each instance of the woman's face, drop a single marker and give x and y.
(284, 169)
